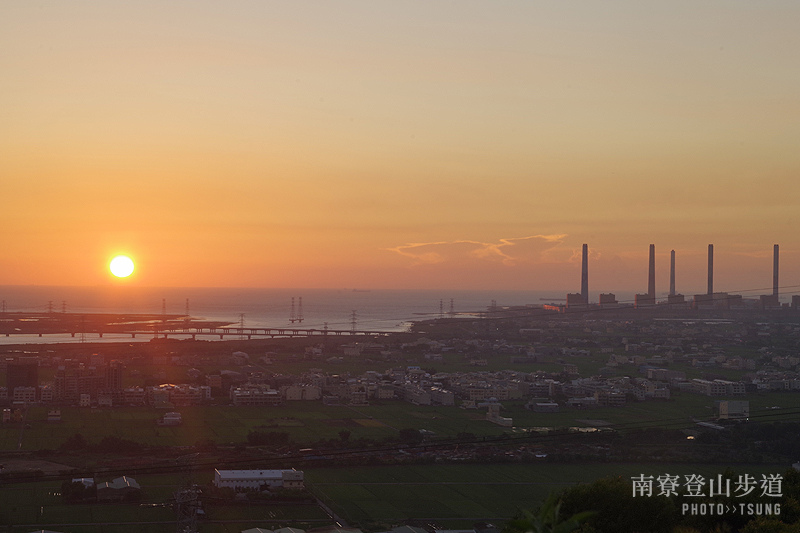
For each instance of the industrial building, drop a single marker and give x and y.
(673, 298)
(650, 297)
(581, 299)
(256, 480)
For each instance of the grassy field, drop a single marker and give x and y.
(307, 422)
(463, 492)
(304, 422)
(453, 495)
(39, 504)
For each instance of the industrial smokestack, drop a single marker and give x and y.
(775, 271)
(672, 273)
(710, 269)
(651, 277)
(585, 275)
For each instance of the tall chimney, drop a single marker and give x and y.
(585, 275)
(672, 273)
(775, 271)
(651, 277)
(710, 269)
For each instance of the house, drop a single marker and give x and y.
(733, 409)
(493, 415)
(170, 419)
(544, 407)
(119, 489)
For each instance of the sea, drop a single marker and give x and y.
(372, 310)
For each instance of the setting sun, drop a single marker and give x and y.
(121, 266)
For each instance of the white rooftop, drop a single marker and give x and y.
(249, 474)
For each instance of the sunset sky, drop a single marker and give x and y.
(413, 144)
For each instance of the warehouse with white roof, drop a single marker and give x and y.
(246, 480)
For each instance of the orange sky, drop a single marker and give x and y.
(411, 145)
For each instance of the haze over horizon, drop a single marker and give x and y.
(454, 145)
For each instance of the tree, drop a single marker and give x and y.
(547, 519)
(617, 509)
(75, 442)
(74, 492)
(410, 436)
(770, 525)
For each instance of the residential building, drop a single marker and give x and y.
(118, 489)
(733, 409)
(255, 395)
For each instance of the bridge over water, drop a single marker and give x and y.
(249, 333)
(151, 325)
(194, 332)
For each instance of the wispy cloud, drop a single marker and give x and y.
(507, 251)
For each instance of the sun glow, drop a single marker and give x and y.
(121, 266)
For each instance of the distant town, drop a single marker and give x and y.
(529, 385)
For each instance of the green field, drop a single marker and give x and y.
(370, 497)
(307, 422)
(304, 422)
(459, 494)
(39, 504)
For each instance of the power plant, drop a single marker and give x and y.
(673, 298)
(771, 300)
(775, 271)
(709, 299)
(585, 275)
(581, 299)
(710, 269)
(650, 297)
(672, 273)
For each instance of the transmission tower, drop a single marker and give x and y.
(186, 499)
(441, 309)
(353, 322)
(163, 318)
(292, 315)
(452, 310)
